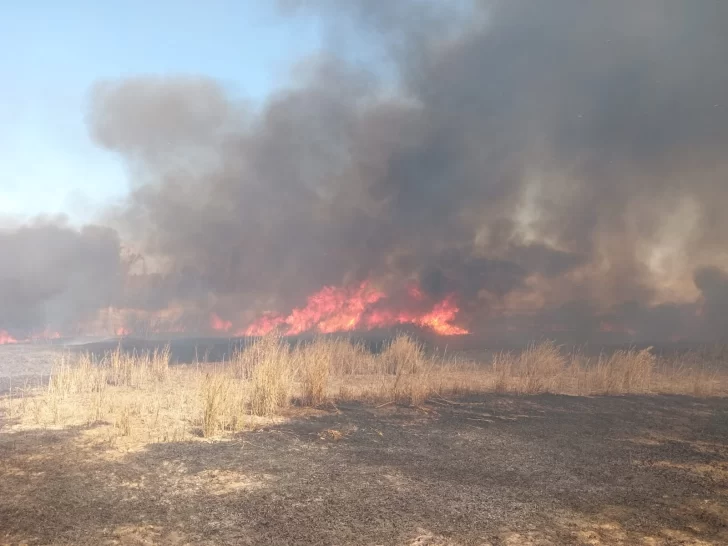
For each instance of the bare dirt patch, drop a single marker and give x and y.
(482, 469)
(25, 365)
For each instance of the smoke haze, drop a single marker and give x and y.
(54, 276)
(559, 166)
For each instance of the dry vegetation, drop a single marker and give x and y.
(140, 397)
(404, 446)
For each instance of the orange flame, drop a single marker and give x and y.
(218, 324)
(440, 317)
(45, 335)
(262, 326)
(340, 310)
(6, 338)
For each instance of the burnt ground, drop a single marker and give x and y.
(492, 469)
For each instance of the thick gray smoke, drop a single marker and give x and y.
(559, 165)
(53, 276)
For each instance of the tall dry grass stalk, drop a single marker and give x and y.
(536, 369)
(405, 358)
(502, 370)
(223, 399)
(137, 369)
(83, 373)
(271, 378)
(314, 362)
(623, 372)
(215, 390)
(351, 358)
(540, 365)
(698, 373)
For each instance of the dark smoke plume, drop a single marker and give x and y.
(53, 276)
(559, 165)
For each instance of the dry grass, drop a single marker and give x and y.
(271, 377)
(139, 397)
(405, 359)
(223, 403)
(315, 362)
(351, 358)
(536, 369)
(624, 372)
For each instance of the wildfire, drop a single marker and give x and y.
(218, 324)
(45, 335)
(263, 325)
(440, 317)
(6, 338)
(361, 308)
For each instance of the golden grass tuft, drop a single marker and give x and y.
(349, 358)
(214, 392)
(272, 375)
(223, 403)
(540, 366)
(314, 362)
(405, 358)
(536, 369)
(623, 372)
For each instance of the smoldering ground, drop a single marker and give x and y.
(559, 163)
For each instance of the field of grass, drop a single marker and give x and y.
(139, 397)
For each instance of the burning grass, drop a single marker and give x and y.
(139, 397)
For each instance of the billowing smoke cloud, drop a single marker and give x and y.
(558, 165)
(713, 285)
(53, 275)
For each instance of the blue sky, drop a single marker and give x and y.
(52, 52)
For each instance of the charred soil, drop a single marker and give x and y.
(489, 469)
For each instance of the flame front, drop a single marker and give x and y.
(218, 324)
(332, 309)
(46, 335)
(440, 318)
(6, 338)
(361, 308)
